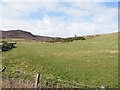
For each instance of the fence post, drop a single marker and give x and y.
(3, 69)
(37, 80)
(102, 87)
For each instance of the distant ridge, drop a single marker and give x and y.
(20, 34)
(101, 34)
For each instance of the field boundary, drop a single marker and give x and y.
(38, 79)
(91, 86)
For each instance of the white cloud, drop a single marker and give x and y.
(107, 16)
(60, 0)
(14, 16)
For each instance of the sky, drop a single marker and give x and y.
(59, 18)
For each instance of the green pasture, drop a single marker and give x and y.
(93, 61)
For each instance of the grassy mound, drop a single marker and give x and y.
(93, 61)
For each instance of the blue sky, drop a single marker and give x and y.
(63, 19)
(111, 4)
(40, 14)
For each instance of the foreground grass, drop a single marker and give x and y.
(93, 61)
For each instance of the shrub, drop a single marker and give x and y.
(6, 46)
(70, 39)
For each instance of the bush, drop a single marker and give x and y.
(70, 39)
(6, 46)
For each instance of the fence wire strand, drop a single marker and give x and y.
(41, 75)
(92, 86)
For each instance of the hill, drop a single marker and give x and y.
(20, 34)
(91, 62)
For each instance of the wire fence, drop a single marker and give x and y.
(80, 84)
(69, 83)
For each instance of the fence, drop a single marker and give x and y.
(74, 84)
(59, 80)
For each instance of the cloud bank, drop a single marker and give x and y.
(61, 19)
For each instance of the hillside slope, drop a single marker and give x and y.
(20, 34)
(92, 62)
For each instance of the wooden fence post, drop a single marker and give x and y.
(3, 69)
(37, 80)
(102, 87)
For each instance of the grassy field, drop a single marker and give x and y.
(93, 61)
